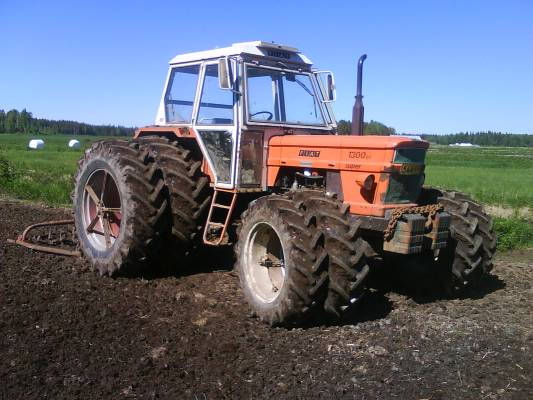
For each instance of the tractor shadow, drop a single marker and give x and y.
(208, 260)
(412, 284)
(375, 305)
(425, 287)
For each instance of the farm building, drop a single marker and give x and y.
(463, 145)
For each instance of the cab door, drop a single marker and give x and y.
(217, 127)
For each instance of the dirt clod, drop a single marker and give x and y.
(67, 333)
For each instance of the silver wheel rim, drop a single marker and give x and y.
(264, 262)
(102, 210)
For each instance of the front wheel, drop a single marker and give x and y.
(282, 268)
(472, 242)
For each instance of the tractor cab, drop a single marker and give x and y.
(233, 99)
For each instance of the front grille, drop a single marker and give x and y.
(409, 155)
(403, 188)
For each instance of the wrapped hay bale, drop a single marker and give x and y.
(74, 144)
(36, 144)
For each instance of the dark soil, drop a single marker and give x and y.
(67, 333)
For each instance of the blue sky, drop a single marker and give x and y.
(432, 67)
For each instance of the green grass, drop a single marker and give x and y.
(501, 176)
(492, 175)
(40, 175)
(513, 233)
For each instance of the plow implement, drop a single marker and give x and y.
(50, 237)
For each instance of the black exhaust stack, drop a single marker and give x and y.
(358, 112)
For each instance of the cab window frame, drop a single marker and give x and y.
(246, 106)
(169, 85)
(201, 85)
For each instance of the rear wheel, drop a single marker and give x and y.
(119, 207)
(189, 193)
(281, 262)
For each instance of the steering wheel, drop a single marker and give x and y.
(270, 115)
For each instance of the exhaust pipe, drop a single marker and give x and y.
(358, 112)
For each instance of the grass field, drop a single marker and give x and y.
(493, 175)
(498, 176)
(45, 175)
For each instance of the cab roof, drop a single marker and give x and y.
(257, 48)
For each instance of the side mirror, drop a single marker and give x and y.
(331, 92)
(224, 79)
(327, 86)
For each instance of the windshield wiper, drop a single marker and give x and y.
(296, 80)
(302, 85)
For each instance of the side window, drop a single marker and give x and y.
(216, 105)
(179, 99)
(219, 147)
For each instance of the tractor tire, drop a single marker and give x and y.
(470, 208)
(119, 207)
(472, 242)
(188, 191)
(348, 253)
(281, 261)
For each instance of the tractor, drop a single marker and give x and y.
(245, 152)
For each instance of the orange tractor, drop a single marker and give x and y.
(244, 152)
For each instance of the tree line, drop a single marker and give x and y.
(488, 138)
(369, 128)
(15, 121)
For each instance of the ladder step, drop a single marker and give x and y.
(221, 206)
(215, 233)
(215, 225)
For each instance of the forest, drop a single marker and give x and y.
(488, 138)
(15, 121)
(370, 128)
(483, 139)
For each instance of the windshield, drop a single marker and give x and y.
(282, 96)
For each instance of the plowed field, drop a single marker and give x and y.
(66, 333)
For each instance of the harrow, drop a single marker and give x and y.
(45, 237)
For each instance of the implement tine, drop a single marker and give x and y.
(22, 240)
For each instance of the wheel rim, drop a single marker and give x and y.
(264, 262)
(102, 210)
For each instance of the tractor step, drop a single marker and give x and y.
(216, 227)
(222, 206)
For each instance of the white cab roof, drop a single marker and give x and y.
(258, 48)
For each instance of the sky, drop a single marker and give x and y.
(433, 66)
